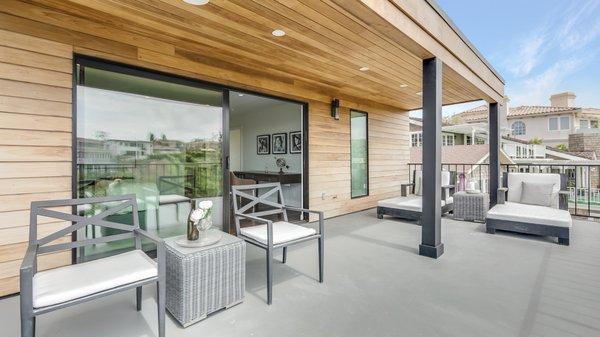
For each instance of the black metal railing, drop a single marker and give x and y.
(202, 179)
(583, 181)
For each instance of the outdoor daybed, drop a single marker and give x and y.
(410, 205)
(532, 203)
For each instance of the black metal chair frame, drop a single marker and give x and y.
(42, 246)
(241, 192)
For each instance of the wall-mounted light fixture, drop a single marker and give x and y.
(335, 108)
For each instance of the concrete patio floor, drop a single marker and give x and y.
(377, 285)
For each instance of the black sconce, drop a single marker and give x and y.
(335, 108)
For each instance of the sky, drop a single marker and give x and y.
(539, 47)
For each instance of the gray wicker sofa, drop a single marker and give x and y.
(410, 203)
(522, 209)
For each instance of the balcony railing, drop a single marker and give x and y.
(200, 179)
(583, 181)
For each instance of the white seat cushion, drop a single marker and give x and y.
(172, 199)
(409, 203)
(282, 232)
(512, 211)
(74, 281)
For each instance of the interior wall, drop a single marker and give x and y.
(276, 118)
(267, 119)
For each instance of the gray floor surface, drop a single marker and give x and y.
(377, 285)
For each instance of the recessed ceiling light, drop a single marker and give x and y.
(278, 32)
(364, 69)
(196, 2)
(403, 85)
(420, 93)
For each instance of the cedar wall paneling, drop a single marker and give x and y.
(35, 124)
(35, 143)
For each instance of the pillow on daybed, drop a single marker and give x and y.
(537, 193)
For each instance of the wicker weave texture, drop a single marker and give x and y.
(202, 281)
(471, 207)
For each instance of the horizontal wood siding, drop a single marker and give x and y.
(35, 151)
(35, 144)
(329, 157)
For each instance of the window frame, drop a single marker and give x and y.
(559, 123)
(445, 138)
(418, 139)
(366, 115)
(513, 128)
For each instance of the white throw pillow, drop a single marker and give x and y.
(537, 193)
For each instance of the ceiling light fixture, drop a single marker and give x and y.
(278, 33)
(364, 69)
(403, 85)
(196, 2)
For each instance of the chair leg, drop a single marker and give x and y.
(321, 258)
(321, 255)
(138, 298)
(157, 215)
(177, 212)
(161, 295)
(284, 258)
(269, 276)
(490, 230)
(28, 326)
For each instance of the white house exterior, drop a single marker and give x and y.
(551, 124)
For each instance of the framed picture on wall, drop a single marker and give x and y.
(296, 142)
(263, 144)
(279, 143)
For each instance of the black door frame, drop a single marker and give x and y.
(134, 70)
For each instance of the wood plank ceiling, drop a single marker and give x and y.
(324, 47)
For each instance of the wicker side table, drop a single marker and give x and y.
(471, 206)
(203, 280)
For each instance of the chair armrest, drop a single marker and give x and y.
(161, 254)
(29, 264)
(502, 195)
(563, 200)
(404, 187)
(269, 226)
(320, 213)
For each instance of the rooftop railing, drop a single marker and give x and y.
(583, 181)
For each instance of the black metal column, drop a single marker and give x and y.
(431, 220)
(494, 136)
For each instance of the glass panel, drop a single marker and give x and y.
(359, 154)
(564, 123)
(553, 123)
(158, 140)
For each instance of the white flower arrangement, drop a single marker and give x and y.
(202, 212)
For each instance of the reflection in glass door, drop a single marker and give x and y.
(155, 138)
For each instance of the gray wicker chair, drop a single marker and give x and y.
(272, 235)
(49, 290)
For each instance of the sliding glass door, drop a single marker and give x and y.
(146, 134)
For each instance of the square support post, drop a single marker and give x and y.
(431, 219)
(494, 134)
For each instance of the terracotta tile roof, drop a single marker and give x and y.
(480, 113)
(457, 154)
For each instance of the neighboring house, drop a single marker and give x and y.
(552, 124)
